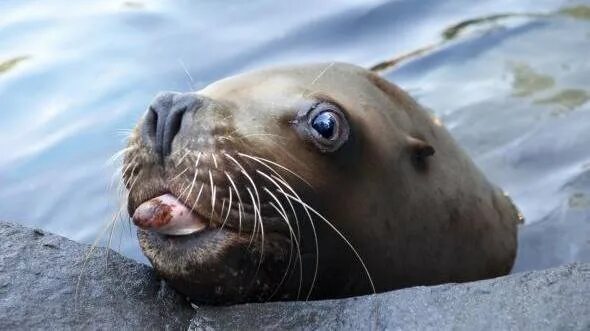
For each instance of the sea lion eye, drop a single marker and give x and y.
(325, 123)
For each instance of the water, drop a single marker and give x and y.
(514, 90)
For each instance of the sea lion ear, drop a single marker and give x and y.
(420, 150)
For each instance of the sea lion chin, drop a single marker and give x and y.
(309, 182)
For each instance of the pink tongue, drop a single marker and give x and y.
(167, 215)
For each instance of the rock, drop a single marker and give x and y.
(41, 287)
(39, 275)
(554, 299)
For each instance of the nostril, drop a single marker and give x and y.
(150, 127)
(164, 119)
(171, 129)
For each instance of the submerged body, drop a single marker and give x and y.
(309, 182)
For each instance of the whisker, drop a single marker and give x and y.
(126, 131)
(311, 222)
(274, 180)
(198, 196)
(283, 214)
(214, 160)
(133, 183)
(190, 78)
(124, 171)
(221, 213)
(128, 182)
(120, 172)
(228, 206)
(183, 156)
(194, 176)
(240, 212)
(113, 224)
(257, 213)
(87, 257)
(183, 190)
(179, 174)
(245, 173)
(213, 192)
(269, 178)
(116, 175)
(284, 183)
(118, 154)
(318, 214)
(322, 73)
(263, 161)
(121, 233)
(239, 199)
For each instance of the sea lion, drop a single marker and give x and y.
(309, 182)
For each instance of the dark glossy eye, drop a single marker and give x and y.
(325, 124)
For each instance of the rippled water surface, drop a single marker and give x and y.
(510, 79)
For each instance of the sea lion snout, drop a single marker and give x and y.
(164, 117)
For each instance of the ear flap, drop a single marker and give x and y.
(420, 151)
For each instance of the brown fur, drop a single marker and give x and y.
(409, 200)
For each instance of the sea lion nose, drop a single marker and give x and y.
(164, 117)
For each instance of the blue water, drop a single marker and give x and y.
(76, 76)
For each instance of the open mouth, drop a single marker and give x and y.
(167, 215)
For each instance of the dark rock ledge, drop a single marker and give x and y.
(39, 273)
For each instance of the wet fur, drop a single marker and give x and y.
(407, 198)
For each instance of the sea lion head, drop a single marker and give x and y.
(287, 183)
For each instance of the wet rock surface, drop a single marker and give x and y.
(554, 299)
(41, 288)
